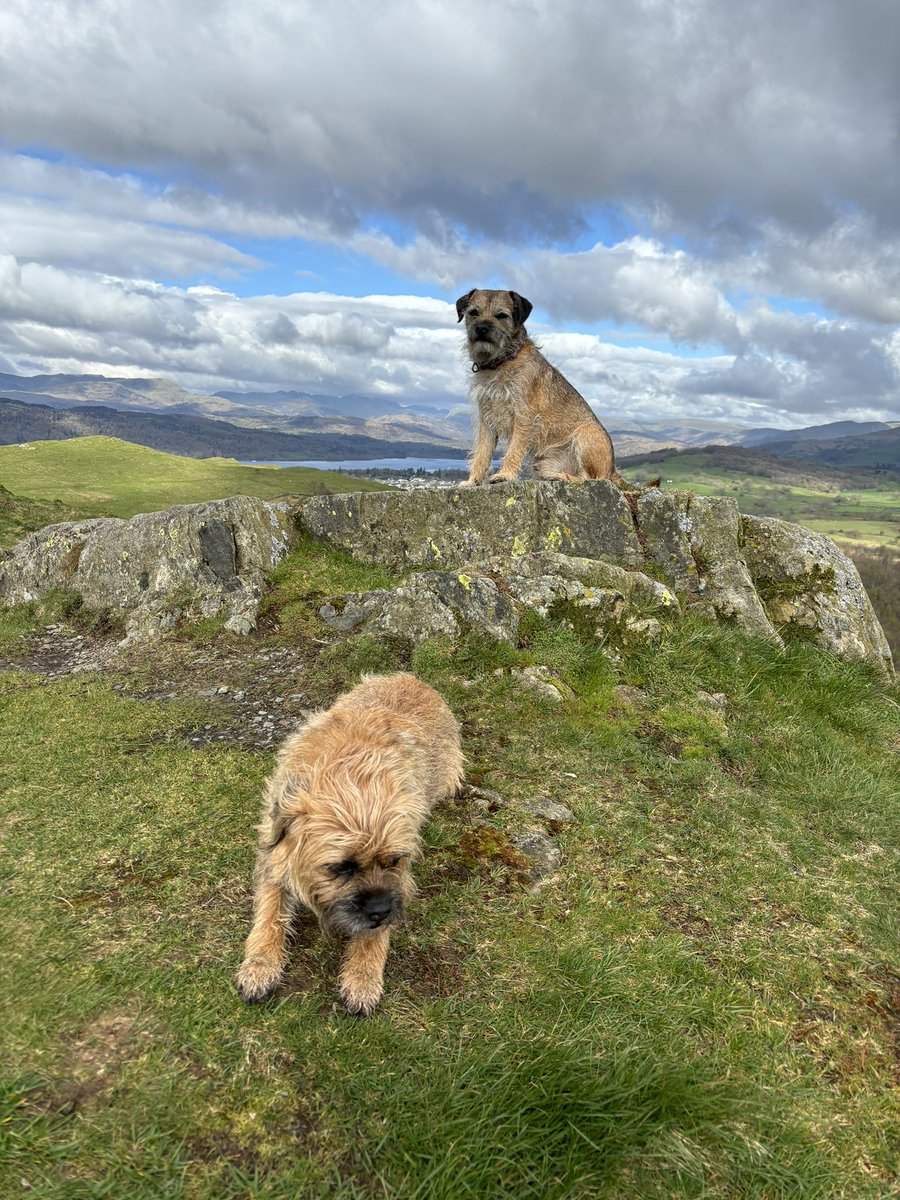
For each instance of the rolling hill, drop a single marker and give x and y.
(860, 508)
(100, 476)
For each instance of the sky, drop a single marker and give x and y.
(701, 198)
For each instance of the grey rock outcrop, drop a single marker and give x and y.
(612, 562)
(444, 530)
(696, 541)
(807, 584)
(542, 579)
(491, 597)
(591, 544)
(195, 559)
(429, 604)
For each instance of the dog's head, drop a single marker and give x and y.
(349, 862)
(494, 323)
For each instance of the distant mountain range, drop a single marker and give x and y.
(304, 425)
(198, 437)
(838, 465)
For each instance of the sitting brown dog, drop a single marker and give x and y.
(340, 826)
(522, 398)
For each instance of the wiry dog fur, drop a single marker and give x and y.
(521, 397)
(341, 820)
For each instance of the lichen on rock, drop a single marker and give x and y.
(808, 586)
(201, 560)
(429, 604)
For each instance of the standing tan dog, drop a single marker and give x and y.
(340, 826)
(522, 398)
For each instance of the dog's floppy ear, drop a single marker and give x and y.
(521, 308)
(281, 823)
(462, 304)
(284, 809)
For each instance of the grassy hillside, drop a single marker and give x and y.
(702, 1002)
(857, 508)
(105, 476)
(19, 515)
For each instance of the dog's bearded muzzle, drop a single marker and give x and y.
(364, 912)
(485, 335)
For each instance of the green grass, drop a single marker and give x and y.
(703, 1003)
(100, 476)
(869, 517)
(19, 516)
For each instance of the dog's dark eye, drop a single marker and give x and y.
(473, 312)
(397, 859)
(502, 316)
(345, 869)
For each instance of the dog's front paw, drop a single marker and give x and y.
(502, 477)
(470, 483)
(361, 996)
(257, 979)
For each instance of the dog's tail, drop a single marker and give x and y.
(634, 487)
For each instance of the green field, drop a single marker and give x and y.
(701, 1003)
(99, 476)
(869, 517)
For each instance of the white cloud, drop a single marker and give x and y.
(753, 145)
(410, 347)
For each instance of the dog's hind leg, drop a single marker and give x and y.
(362, 972)
(264, 953)
(592, 450)
(557, 463)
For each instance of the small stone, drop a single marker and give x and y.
(222, 690)
(544, 682)
(624, 693)
(716, 700)
(644, 629)
(208, 693)
(549, 810)
(541, 850)
(483, 799)
(240, 624)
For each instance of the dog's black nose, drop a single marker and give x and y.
(377, 906)
(482, 331)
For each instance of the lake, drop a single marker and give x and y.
(366, 464)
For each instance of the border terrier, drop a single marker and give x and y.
(340, 827)
(522, 398)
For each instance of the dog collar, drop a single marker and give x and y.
(476, 369)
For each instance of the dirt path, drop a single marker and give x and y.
(254, 692)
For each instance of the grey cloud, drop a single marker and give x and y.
(281, 331)
(501, 117)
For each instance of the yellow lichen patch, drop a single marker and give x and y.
(557, 536)
(466, 581)
(435, 549)
(519, 547)
(511, 500)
